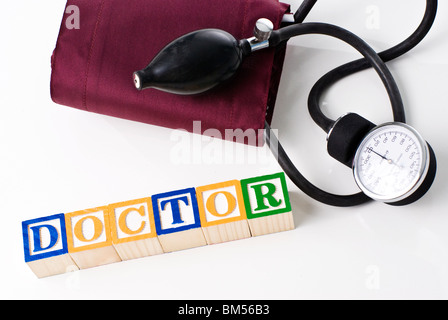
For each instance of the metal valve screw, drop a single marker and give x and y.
(263, 29)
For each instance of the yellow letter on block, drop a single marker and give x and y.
(222, 212)
(133, 230)
(89, 239)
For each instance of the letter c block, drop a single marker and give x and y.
(133, 229)
(89, 239)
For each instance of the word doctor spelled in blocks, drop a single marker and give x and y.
(164, 222)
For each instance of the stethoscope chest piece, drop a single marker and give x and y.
(391, 162)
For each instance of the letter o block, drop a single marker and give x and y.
(89, 239)
(222, 212)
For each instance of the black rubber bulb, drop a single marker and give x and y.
(194, 63)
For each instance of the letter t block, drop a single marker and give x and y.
(267, 204)
(177, 221)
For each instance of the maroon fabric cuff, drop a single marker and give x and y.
(92, 66)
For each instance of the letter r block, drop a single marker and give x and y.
(45, 246)
(222, 212)
(133, 229)
(267, 203)
(177, 221)
(89, 239)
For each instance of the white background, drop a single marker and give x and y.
(58, 159)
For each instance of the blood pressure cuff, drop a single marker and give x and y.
(95, 57)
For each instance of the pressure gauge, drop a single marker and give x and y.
(392, 164)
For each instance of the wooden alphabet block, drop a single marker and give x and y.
(133, 229)
(267, 204)
(89, 239)
(45, 246)
(165, 222)
(222, 212)
(177, 221)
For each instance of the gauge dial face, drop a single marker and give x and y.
(391, 162)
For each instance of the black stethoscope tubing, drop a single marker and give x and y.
(371, 59)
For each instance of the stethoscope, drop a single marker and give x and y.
(391, 162)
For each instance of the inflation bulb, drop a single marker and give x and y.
(200, 60)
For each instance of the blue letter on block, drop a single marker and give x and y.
(44, 237)
(176, 211)
(54, 236)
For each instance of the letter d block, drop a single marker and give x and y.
(267, 204)
(177, 221)
(133, 229)
(45, 246)
(223, 216)
(89, 239)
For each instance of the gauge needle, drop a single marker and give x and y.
(388, 160)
